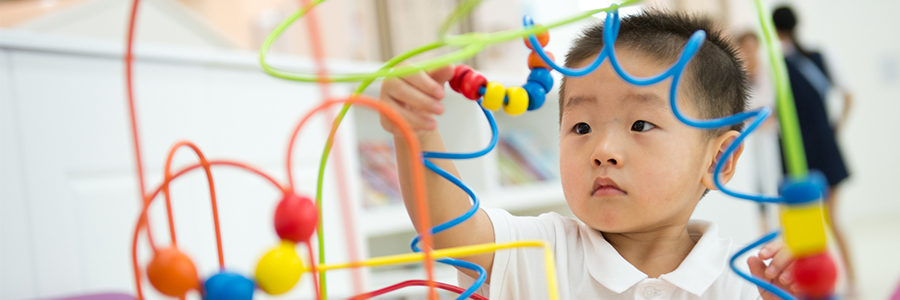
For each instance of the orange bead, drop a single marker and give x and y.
(543, 37)
(535, 61)
(172, 272)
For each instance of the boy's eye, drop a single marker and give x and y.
(641, 126)
(582, 128)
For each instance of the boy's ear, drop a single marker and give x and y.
(719, 145)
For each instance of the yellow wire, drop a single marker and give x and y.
(549, 263)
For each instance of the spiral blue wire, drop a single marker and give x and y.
(476, 203)
(759, 282)
(610, 32)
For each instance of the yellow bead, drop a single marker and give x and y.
(493, 96)
(518, 100)
(804, 229)
(280, 269)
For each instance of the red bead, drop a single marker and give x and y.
(295, 218)
(543, 37)
(535, 61)
(470, 84)
(815, 275)
(172, 272)
(458, 73)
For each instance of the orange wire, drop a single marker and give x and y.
(212, 195)
(418, 174)
(318, 52)
(129, 90)
(149, 199)
(313, 269)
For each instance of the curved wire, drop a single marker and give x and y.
(610, 33)
(408, 283)
(759, 282)
(476, 203)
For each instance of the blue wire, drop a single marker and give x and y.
(610, 33)
(561, 69)
(491, 144)
(759, 282)
(482, 273)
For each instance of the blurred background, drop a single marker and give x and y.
(69, 195)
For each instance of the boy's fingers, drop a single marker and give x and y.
(769, 250)
(404, 92)
(442, 75)
(787, 278)
(417, 120)
(758, 268)
(426, 84)
(779, 263)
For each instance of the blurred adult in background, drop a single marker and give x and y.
(813, 86)
(762, 145)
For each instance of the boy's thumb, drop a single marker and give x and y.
(442, 74)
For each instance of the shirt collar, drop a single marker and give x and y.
(706, 261)
(703, 265)
(606, 265)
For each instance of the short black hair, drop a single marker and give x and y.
(784, 19)
(720, 91)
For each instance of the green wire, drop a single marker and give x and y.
(794, 155)
(462, 10)
(470, 45)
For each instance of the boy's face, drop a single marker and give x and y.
(627, 164)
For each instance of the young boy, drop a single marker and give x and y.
(631, 173)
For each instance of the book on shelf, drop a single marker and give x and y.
(379, 173)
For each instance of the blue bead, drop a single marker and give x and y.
(536, 94)
(541, 76)
(804, 190)
(228, 286)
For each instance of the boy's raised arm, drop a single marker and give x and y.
(417, 97)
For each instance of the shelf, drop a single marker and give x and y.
(394, 219)
(525, 197)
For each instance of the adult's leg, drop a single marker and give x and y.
(830, 210)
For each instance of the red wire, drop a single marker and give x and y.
(129, 90)
(212, 195)
(149, 199)
(313, 269)
(418, 175)
(409, 283)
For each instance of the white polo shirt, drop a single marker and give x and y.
(588, 267)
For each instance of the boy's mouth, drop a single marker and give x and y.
(606, 187)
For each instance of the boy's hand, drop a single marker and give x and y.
(778, 270)
(416, 97)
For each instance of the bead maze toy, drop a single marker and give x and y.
(297, 217)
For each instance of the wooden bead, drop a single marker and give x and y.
(535, 61)
(541, 76)
(536, 95)
(458, 74)
(543, 37)
(518, 101)
(470, 83)
(493, 96)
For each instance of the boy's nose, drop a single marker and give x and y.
(607, 154)
(611, 161)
